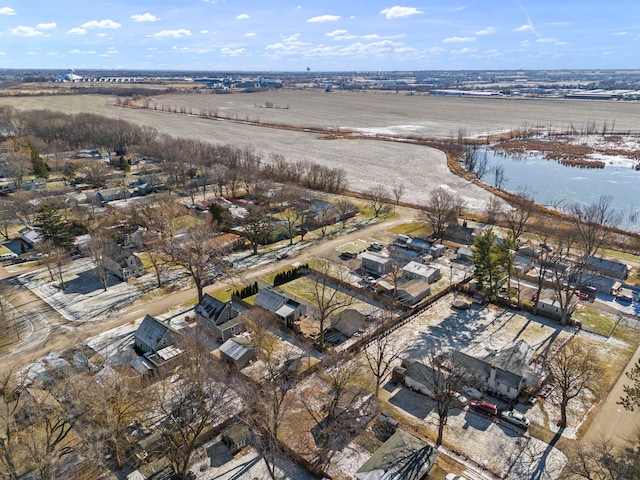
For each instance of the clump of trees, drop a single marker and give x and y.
(290, 274)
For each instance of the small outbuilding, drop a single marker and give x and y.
(377, 264)
(238, 351)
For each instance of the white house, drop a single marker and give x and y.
(377, 264)
(419, 271)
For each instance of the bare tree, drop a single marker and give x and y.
(602, 460)
(519, 218)
(575, 371)
(96, 173)
(47, 435)
(102, 249)
(398, 191)
(16, 167)
(327, 298)
(380, 356)
(197, 253)
(594, 222)
(291, 220)
(273, 395)
(256, 227)
(10, 459)
(55, 259)
(444, 376)
(191, 404)
(442, 209)
(345, 208)
(26, 210)
(631, 398)
(377, 199)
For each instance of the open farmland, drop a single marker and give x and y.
(366, 162)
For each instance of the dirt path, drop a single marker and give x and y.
(612, 421)
(51, 332)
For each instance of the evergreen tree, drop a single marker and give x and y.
(489, 263)
(53, 227)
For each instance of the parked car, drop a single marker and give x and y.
(484, 406)
(375, 246)
(282, 256)
(473, 393)
(461, 399)
(515, 418)
(581, 295)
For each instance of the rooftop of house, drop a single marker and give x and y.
(401, 457)
(151, 330)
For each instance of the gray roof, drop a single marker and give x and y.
(270, 299)
(401, 457)
(274, 301)
(234, 349)
(602, 264)
(372, 257)
(151, 331)
(211, 307)
(510, 363)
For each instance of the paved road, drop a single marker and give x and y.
(51, 332)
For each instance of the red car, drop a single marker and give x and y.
(484, 406)
(582, 295)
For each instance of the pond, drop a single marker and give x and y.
(554, 185)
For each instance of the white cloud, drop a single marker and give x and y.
(75, 51)
(101, 34)
(77, 31)
(144, 17)
(7, 11)
(46, 26)
(524, 28)
(292, 38)
(23, 31)
(172, 33)
(250, 34)
(204, 32)
(547, 40)
(464, 51)
(459, 39)
(242, 16)
(486, 31)
(375, 36)
(340, 35)
(229, 52)
(101, 24)
(620, 33)
(324, 18)
(399, 12)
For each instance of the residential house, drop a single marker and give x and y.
(465, 254)
(159, 469)
(153, 335)
(125, 264)
(607, 268)
(236, 437)
(402, 254)
(377, 264)
(401, 457)
(549, 306)
(413, 291)
(418, 244)
(223, 318)
(437, 250)
(348, 322)
(527, 250)
(106, 196)
(503, 372)
(30, 236)
(459, 234)
(415, 270)
(238, 351)
(284, 308)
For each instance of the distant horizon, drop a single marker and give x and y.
(311, 72)
(327, 36)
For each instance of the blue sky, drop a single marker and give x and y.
(322, 35)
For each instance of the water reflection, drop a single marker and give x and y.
(552, 184)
